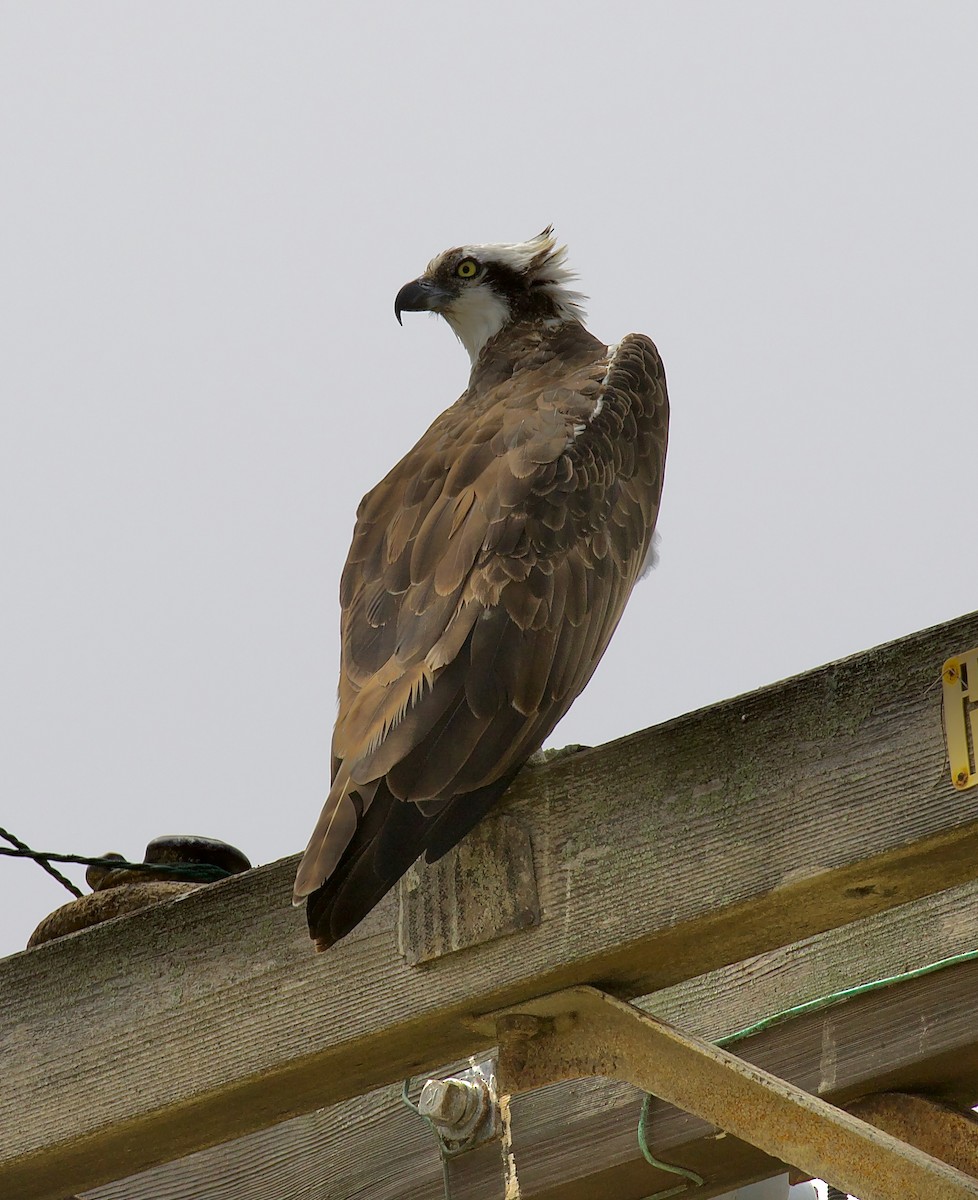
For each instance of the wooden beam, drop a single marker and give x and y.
(713, 837)
(577, 1141)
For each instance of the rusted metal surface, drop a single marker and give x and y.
(947, 1133)
(582, 1032)
(858, 771)
(960, 685)
(440, 911)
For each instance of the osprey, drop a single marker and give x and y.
(488, 570)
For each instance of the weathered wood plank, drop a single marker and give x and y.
(713, 837)
(577, 1140)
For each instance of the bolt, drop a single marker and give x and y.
(961, 779)
(515, 1031)
(951, 673)
(454, 1105)
(518, 1026)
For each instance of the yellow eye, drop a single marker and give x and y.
(468, 268)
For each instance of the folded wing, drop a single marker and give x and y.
(487, 574)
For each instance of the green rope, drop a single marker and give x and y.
(643, 1144)
(797, 1010)
(409, 1103)
(861, 989)
(406, 1098)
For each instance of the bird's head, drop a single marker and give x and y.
(479, 290)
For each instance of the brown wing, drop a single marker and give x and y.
(486, 576)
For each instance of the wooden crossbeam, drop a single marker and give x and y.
(576, 1141)
(716, 836)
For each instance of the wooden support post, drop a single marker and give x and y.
(582, 1032)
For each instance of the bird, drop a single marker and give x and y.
(488, 570)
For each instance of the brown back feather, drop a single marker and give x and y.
(487, 574)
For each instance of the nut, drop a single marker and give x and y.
(453, 1105)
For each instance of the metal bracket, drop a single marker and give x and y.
(463, 1110)
(960, 679)
(950, 1134)
(437, 917)
(472, 1128)
(582, 1032)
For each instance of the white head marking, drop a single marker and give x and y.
(480, 312)
(476, 316)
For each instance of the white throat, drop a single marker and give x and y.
(476, 316)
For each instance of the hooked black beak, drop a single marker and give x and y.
(420, 295)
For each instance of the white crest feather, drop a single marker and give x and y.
(544, 262)
(479, 313)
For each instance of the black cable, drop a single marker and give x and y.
(204, 872)
(26, 852)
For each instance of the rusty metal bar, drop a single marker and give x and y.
(949, 1134)
(582, 1032)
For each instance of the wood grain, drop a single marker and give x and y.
(696, 844)
(577, 1140)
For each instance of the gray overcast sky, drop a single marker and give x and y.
(207, 211)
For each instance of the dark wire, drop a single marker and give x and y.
(204, 872)
(26, 852)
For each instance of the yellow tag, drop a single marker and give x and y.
(960, 676)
